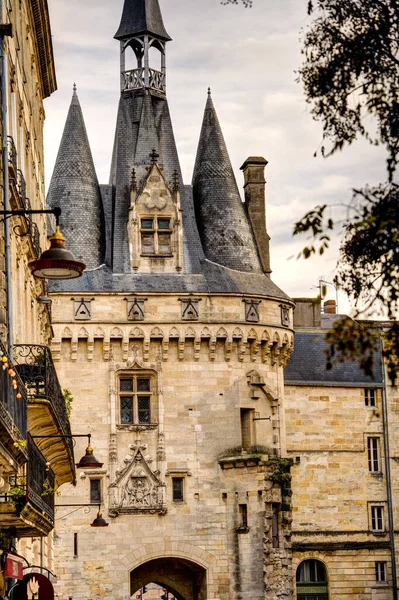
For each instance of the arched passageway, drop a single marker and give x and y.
(183, 579)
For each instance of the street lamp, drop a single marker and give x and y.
(88, 461)
(99, 521)
(57, 262)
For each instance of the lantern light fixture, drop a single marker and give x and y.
(57, 262)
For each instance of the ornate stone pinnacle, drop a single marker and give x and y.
(154, 156)
(133, 183)
(176, 182)
(209, 92)
(74, 88)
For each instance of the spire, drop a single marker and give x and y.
(74, 187)
(141, 17)
(225, 231)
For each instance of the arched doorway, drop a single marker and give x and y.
(311, 580)
(181, 578)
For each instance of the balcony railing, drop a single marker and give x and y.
(135, 80)
(35, 365)
(12, 154)
(18, 185)
(37, 487)
(13, 410)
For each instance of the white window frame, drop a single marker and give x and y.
(370, 397)
(377, 518)
(381, 572)
(374, 454)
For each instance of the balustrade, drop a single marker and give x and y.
(135, 80)
(35, 365)
(13, 410)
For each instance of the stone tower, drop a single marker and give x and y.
(174, 352)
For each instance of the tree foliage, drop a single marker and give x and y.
(350, 76)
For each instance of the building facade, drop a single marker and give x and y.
(226, 473)
(31, 399)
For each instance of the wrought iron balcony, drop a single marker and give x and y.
(47, 413)
(12, 154)
(13, 411)
(135, 80)
(29, 504)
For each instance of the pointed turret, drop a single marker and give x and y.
(223, 223)
(141, 17)
(74, 187)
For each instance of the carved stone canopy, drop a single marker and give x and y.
(137, 487)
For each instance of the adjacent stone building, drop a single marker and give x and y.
(31, 399)
(223, 476)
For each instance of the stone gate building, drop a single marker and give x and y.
(174, 344)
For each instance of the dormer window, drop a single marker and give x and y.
(156, 235)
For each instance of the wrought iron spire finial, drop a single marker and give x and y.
(74, 88)
(154, 156)
(209, 92)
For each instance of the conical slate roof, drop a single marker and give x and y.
(74, 188)
(223, 223)
(139, 17)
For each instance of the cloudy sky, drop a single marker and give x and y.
(248, 57)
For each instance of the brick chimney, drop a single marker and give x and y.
(254, 188)
(330, 307)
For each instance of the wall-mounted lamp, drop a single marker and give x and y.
(88, 461)
(57, 262)
(99, 521)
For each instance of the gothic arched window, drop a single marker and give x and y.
(311, 581)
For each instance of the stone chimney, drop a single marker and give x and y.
(254, 188)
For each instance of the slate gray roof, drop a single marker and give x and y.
(139, 17)
(307, 364)
(223, 224)
(74, 187)
(143, 123)
(211, 279)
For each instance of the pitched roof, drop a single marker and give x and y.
(307, 365)
(74, 188)
(224, 227)
(139, 17)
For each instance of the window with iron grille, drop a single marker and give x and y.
(135, 393)
(156, 236)
(178, 489)
(377, 518)
(370, 397)
(373, 452)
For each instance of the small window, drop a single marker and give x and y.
(373, 454)
(76, 545)
(369, 397)
(377, 518)
(156, 236)
(381, 571)
(246, 428)
(243, 515)
(95, 491)
(178, 483)
(275, 525)
(147, 224)
(163, 224)
(135, 393)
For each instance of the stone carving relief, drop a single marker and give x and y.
(137, 488)
(135, 309)
(252, 310)
(82, 308)
(190, 308)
